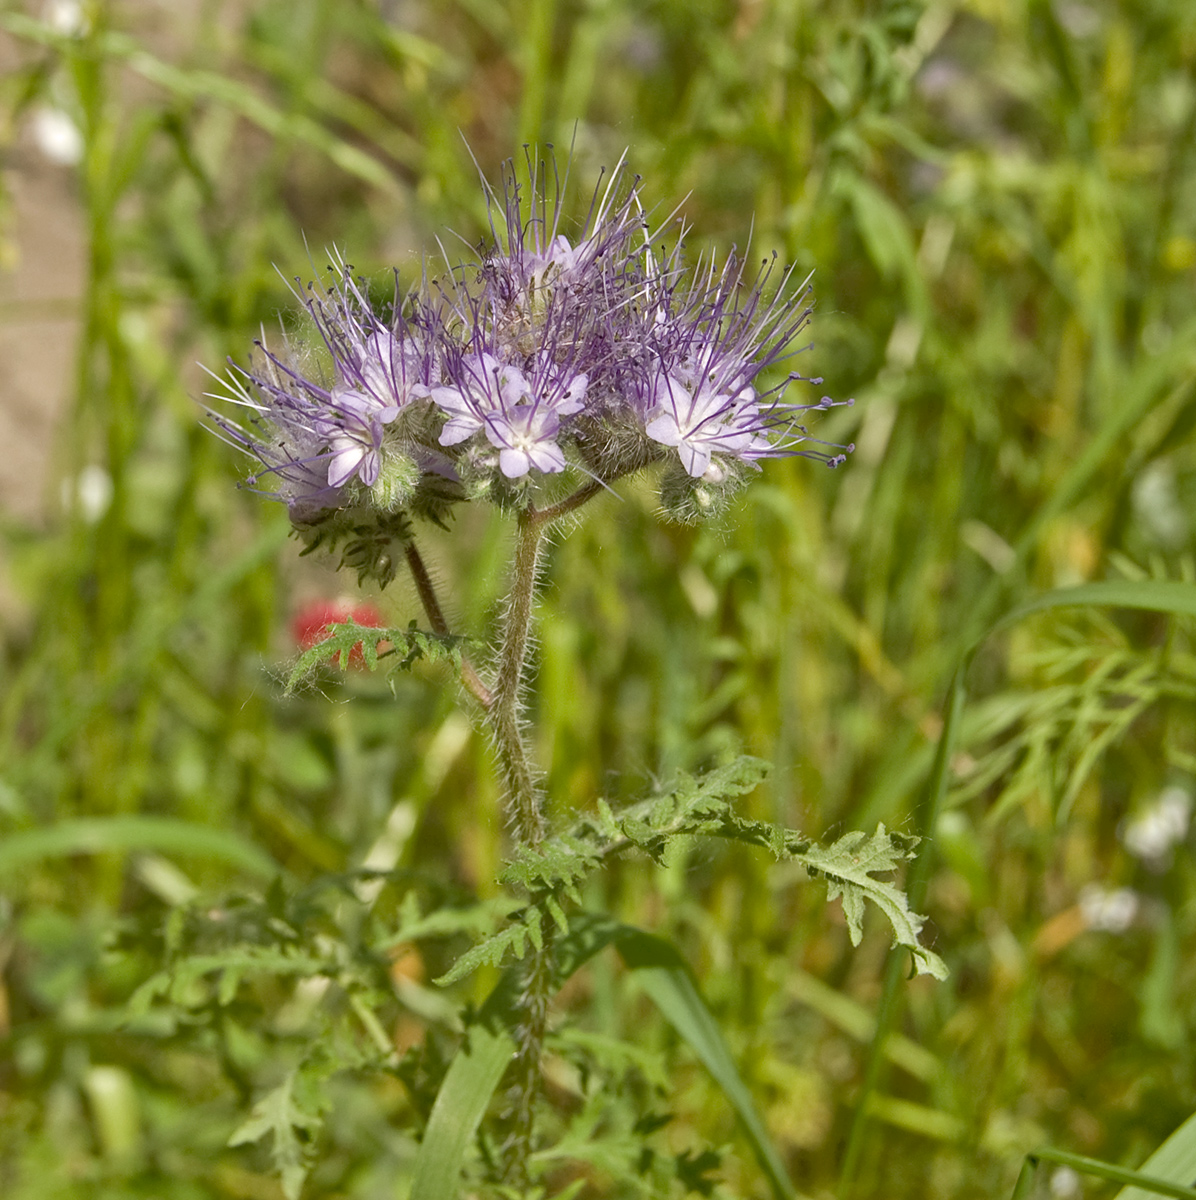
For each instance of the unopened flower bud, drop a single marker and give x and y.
(396, 481)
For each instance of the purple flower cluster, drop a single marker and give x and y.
(591, 353)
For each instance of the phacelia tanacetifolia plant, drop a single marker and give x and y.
(535, 378)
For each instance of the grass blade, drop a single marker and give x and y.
(234, 95)
(1152, 595)
(461, 1103)
(1142, 1185)
(478, 1068)
(1173, 1162)
(665, 976)
(106, 835)
(1139, 394)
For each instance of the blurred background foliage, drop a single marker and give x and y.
(999, 200)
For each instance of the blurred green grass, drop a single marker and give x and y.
(997, 199)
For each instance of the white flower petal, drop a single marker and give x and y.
(499, 432)
(547, 457)
(695, 459)
(457, 429)
(370, 468)
(664, 429)
(514, 463)
(343, 463)
(451, 399)
(573, 398)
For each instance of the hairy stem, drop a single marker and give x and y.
(584, 494)
(525, 1089)
(427, 597)
(525, 808)
(506, 726)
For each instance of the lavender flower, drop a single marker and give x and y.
(283, 431)
(353, 423)
(532, 261)
(526, 437)
(713, 336)
(315, 436)
(699, 420)
(520, 413)
(558, 351)
(561, 258)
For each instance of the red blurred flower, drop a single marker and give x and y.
(313, 622)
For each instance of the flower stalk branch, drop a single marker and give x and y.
(431, 604)
(583, 495)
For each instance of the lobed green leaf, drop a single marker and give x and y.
(347, 639)
(849, 867)
(292, 1127)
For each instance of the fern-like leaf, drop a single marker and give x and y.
(557, 865)
(292, 1128)
(347, 638)
(700, 807)
(508, 943)
(849, 867)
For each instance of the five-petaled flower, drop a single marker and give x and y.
(353, 424)
(701, 421)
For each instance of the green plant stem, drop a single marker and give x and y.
(525, 1089)
(504, 712)
(506, 725)
(583, 495)
(525, 807)
(528, 823)
(427, 597)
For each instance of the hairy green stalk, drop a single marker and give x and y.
(526, 814)
(525, 1088)
(525, 807)
(504, 712)
(523, 800)
(427, 596)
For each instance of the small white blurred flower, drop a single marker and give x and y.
(1158, 507)
(91, 490)
(1110, 910)
(64, 16)
(1153, 834)
(1079, 20)
(1065, 1183)
(57, 136)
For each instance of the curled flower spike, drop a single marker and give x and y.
(564, 349)
(390, 366)
(321, 435)
(282, 430)
(714, 334)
